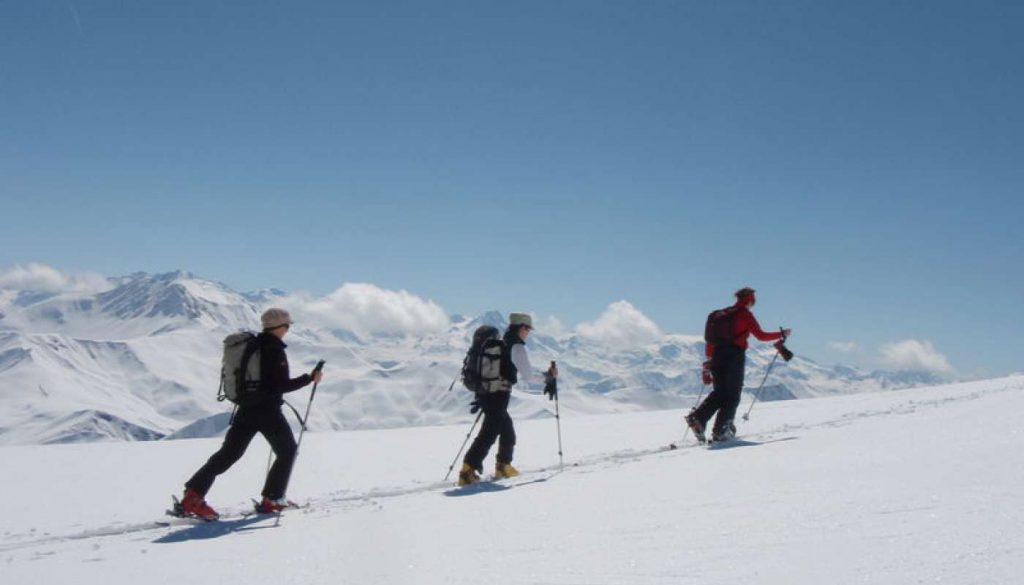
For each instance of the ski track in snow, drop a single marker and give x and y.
(242, 518)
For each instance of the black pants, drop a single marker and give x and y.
(268, 421)
(727, 368)
(497, 423)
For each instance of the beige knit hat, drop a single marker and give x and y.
(520, 319)
(272, 318)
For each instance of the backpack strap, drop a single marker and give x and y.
(250, 349)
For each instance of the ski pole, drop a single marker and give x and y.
(469, 434)
(298, 417)
(558, 425)
(695, 405)
(316, 370)
(558, 420)
(746, 415)
(302, 421)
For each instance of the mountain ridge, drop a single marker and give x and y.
(142, 360)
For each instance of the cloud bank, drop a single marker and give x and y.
(367, 309)
(621, 325)
(915, 356)
(42, 278)
(844, 346)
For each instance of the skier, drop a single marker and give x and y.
(261, 414)
(725, 367)
(515, 368)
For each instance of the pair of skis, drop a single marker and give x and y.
(709, 443)
(178, 511)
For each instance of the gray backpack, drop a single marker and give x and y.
(481, 369)
(240, 367)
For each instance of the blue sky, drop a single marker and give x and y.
(860, 164)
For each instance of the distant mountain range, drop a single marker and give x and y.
(141, 360)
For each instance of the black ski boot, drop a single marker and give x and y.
(725, 432)
(696, 426)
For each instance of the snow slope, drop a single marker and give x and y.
(141, 361)
(911, 486)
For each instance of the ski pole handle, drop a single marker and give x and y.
(319, 367)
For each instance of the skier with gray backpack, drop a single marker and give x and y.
(254, 376)
(493, 365)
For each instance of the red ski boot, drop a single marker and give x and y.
(192, 504)
(269, 506)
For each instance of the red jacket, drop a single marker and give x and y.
(743, 325)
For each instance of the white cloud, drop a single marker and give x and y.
(844, 346)
(620, 325)
(367, 309)
(915, 356)
(42, 278)
(550, 326)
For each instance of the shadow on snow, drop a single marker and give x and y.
(490, 486)
(734, 443)
(219, 528)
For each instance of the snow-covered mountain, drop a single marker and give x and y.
(140, 361)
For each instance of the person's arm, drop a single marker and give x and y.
(521, 361)
(275, 375)
(756, 331)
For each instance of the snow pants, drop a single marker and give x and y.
(497, 423)
(268, 421)
(727, 367)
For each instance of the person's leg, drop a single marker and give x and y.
(732, 394)
(236, 441)
(277, 432)
(507, 432)
(714, 399)
(489, 430)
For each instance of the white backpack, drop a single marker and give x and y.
(240, 367)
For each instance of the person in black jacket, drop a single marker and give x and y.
(259, 414)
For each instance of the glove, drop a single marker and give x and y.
(780, 346)
(550, 386)
(705, 373)
(474, 407)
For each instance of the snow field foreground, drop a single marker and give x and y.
(914, 486)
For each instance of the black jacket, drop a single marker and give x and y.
(275, 379)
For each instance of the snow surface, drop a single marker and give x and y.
(900, 487)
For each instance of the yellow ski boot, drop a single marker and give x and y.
(467, 475)
(503, 470)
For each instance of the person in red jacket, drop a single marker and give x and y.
(726, 362)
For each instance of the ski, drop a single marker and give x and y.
(721, 443)
(679, 444)
(525, 478)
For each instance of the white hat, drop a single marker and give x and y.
(273, 318)
(520, 319)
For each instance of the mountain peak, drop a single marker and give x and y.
(174, 294)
